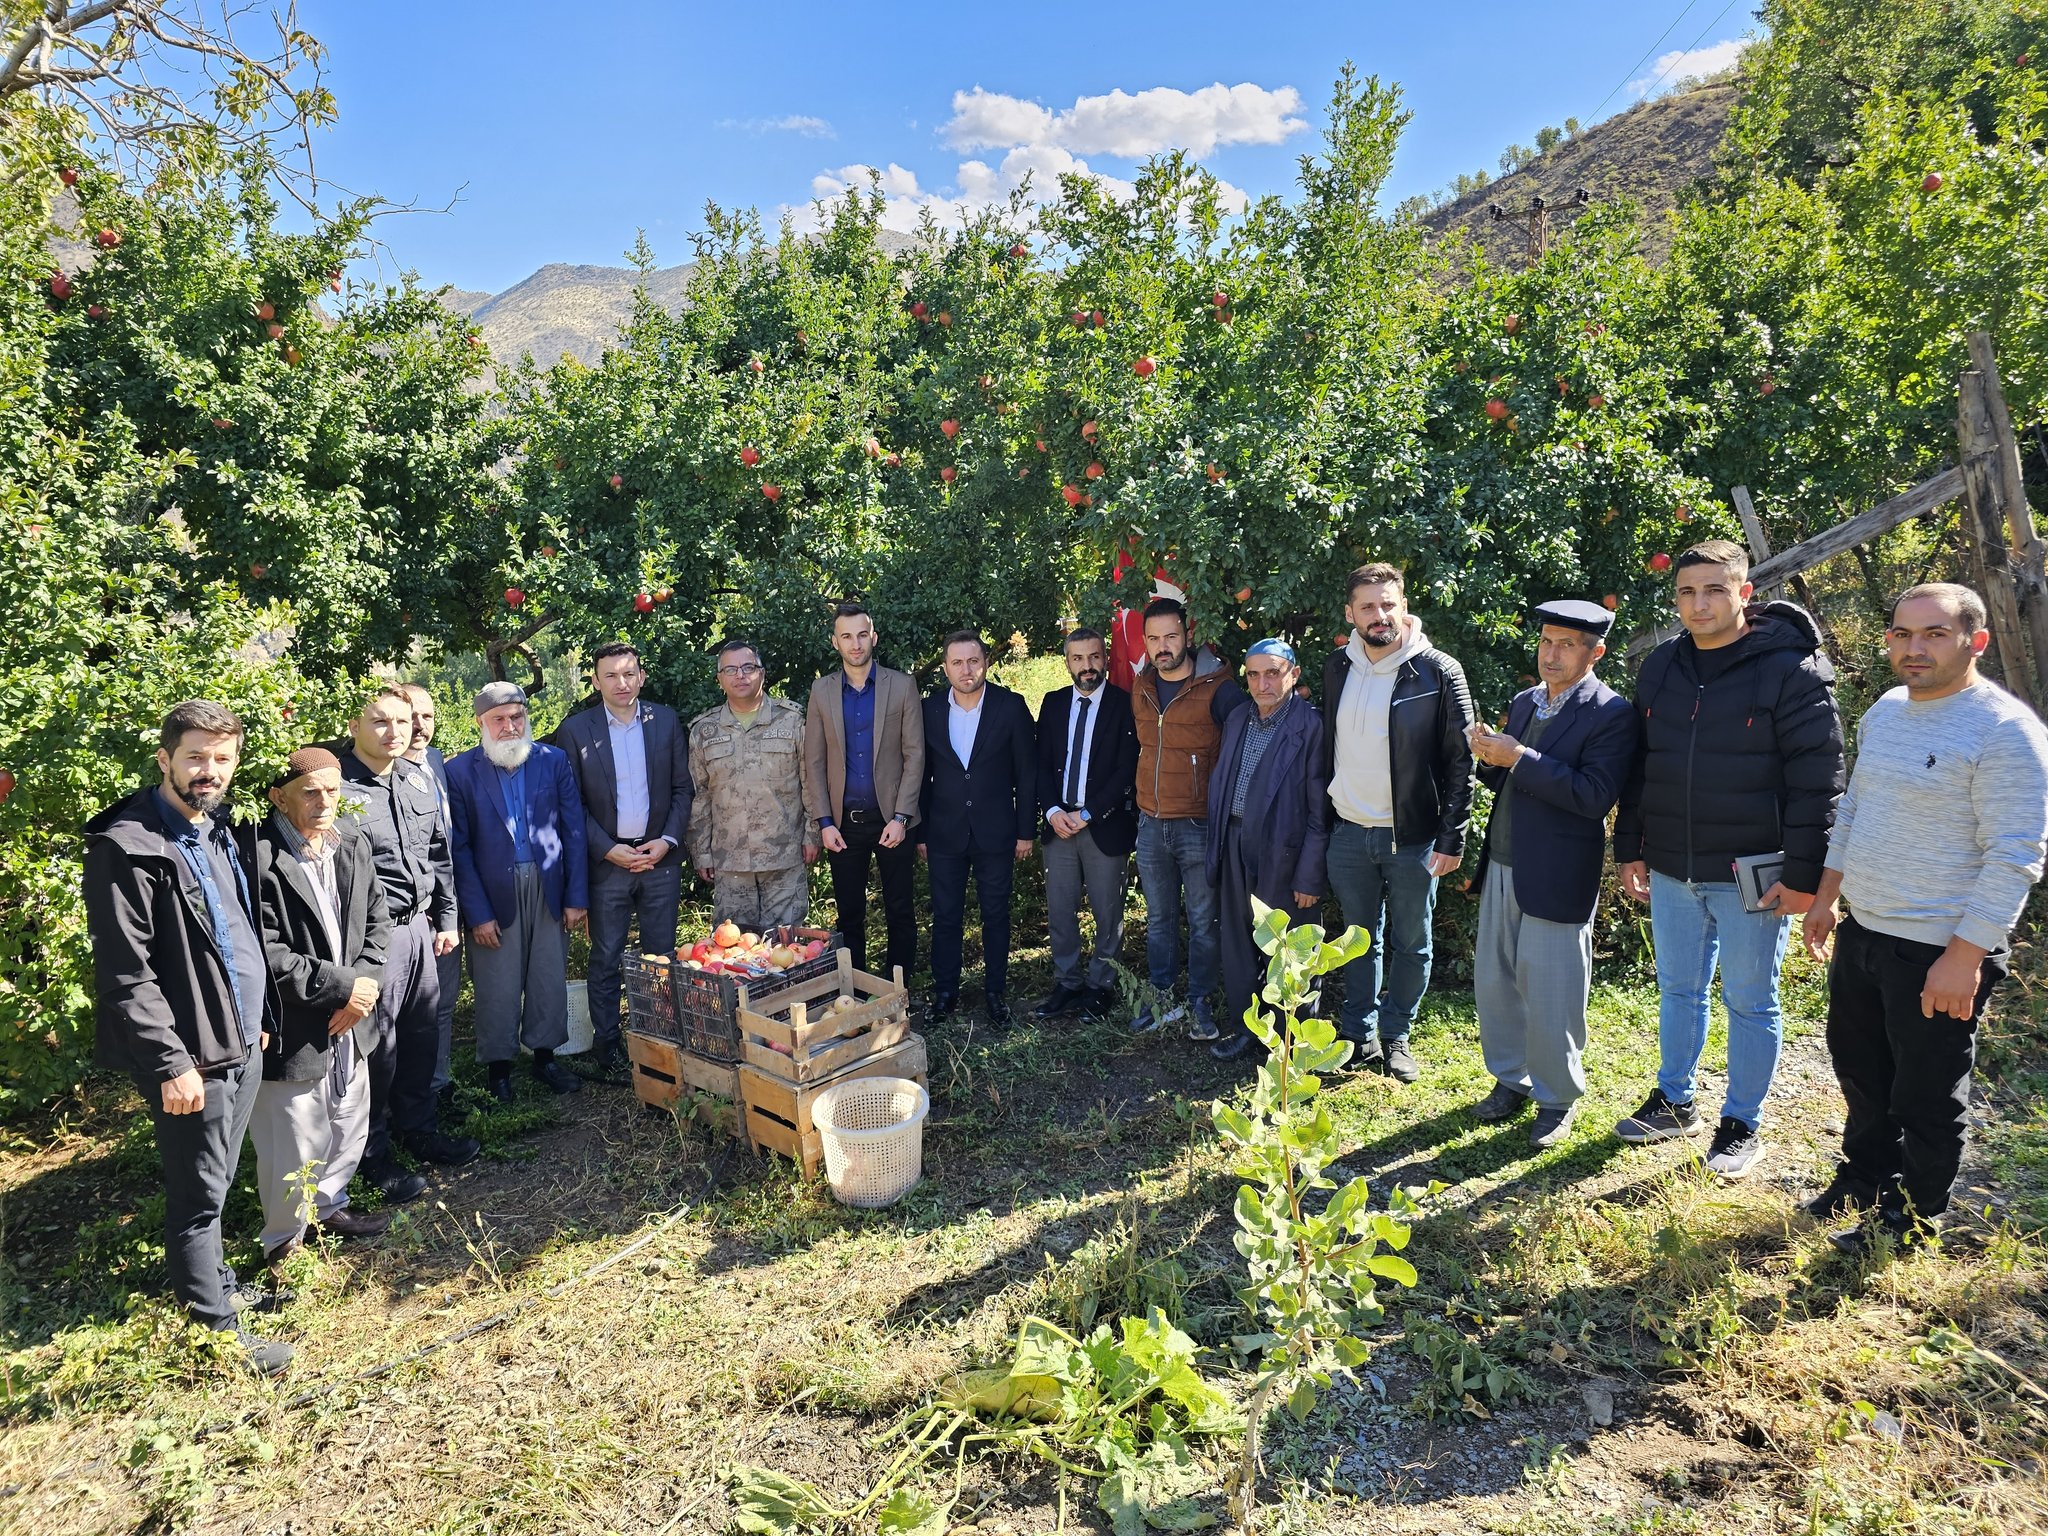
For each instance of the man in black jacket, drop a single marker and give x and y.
(182, 995)
(1741, 755)
(978, 812)
(399, 812)
(325, 930)
(1399, 770)
(1087, 777)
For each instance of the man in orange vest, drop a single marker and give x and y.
(1179, 702)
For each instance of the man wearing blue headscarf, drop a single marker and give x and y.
(1269, 823)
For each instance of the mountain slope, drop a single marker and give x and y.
(1651, 153)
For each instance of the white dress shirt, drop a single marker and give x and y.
(629, 775)
(961, 724)
(1068, 766)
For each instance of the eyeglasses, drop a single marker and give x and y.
(745, 669)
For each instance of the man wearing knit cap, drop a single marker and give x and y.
(326, 926)
(1269, 824)
(1555, 773)
(522, 882)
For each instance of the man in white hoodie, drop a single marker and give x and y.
(1399, 768)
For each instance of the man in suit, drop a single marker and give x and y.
(978, 813)
(325, 929)
(1087, 776)
(633, 769)
(426, 757)
(1269, 824)
(863, 776)
(1555, 773)
(520, 868)
(182, 995)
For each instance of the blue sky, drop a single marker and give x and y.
(561, 130)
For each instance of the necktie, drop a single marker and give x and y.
(1073, 794)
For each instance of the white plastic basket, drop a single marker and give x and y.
(872, 1132)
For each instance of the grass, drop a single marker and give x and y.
(1754, 1380)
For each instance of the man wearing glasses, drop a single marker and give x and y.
(749, 835)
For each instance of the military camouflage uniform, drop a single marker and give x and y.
(748, 823)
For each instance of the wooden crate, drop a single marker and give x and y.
(778, 1112)
(662, 1070)
(808, 1039)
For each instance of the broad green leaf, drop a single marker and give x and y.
(1392, 1267)
(915, 1514)
(769, 1503)
(1301, 1402)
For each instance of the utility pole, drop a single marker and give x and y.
(1534, 221)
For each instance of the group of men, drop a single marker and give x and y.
(294, 980)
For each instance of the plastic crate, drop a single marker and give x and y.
(699, 1010)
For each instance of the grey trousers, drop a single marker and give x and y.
(449, 967)
(1075, 867)
(1530, 979)
(762, 899)
(200, 1152)
(522, 986)
(308, 1126)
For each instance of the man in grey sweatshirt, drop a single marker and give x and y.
(1935, 846)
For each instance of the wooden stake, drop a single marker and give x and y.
(2006, 482)
(1760, 551)
(1984, 528)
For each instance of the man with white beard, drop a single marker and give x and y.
(522, 882)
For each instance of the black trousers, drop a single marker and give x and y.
(1244, 967)
(898, 867)
(1906, 1077)
(407, 1021)
(200, 1153)
(994, 875)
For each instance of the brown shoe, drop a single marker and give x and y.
(272, 1257)
(351, 1223)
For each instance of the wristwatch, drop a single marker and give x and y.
(900, 819)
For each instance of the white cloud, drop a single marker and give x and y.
(1130, 126)
(809, 127)
(1687, 63)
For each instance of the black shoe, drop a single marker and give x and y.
(1845, 1193)
(1233, 1045)
(1400, 1065)
(440, 1147)
(998, 1010)
(398, 1186)
(352, 1223)
(1903, 1231)
(607, 1063)
(1098, 1003)
(1553, 1123)
(1060, 1001)
(1659, 1120)
(1504, 1103)
(249, 1296)
(266, 1357)
(940, 1010)
(557, 1076)
(1735, 1149)
(501, 1089)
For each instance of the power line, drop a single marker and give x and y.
(1695, 43)
(1647, 53)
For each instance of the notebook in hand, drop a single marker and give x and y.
(1756, 873)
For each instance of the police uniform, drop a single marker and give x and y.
(749, 824)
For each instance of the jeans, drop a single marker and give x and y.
(994, 876)
(200, 1153)
(1691, 924)
(1173, 867)
(1904, 1076)
(898, 869)
(1391, 894)
(616, 897)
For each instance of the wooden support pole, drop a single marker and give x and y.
(1759, 552)
(1984, 529)
(2007, 484)
(1861, 528)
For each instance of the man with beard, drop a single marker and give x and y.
(519, 866)
(749, 835)
(325, 929)
(1936, 843)
(632, 768)
(423, 754)
(979, 810)
(399, 812)
(183, 996)
(1399, 769)
(1180, 702)
(1087, 782)
(863, 776)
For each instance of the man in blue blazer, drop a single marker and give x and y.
(522, 883)
(977, 813)
(1555, 773)
(1087, 793)
(632, 765)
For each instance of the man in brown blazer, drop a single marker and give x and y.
(863, 774)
